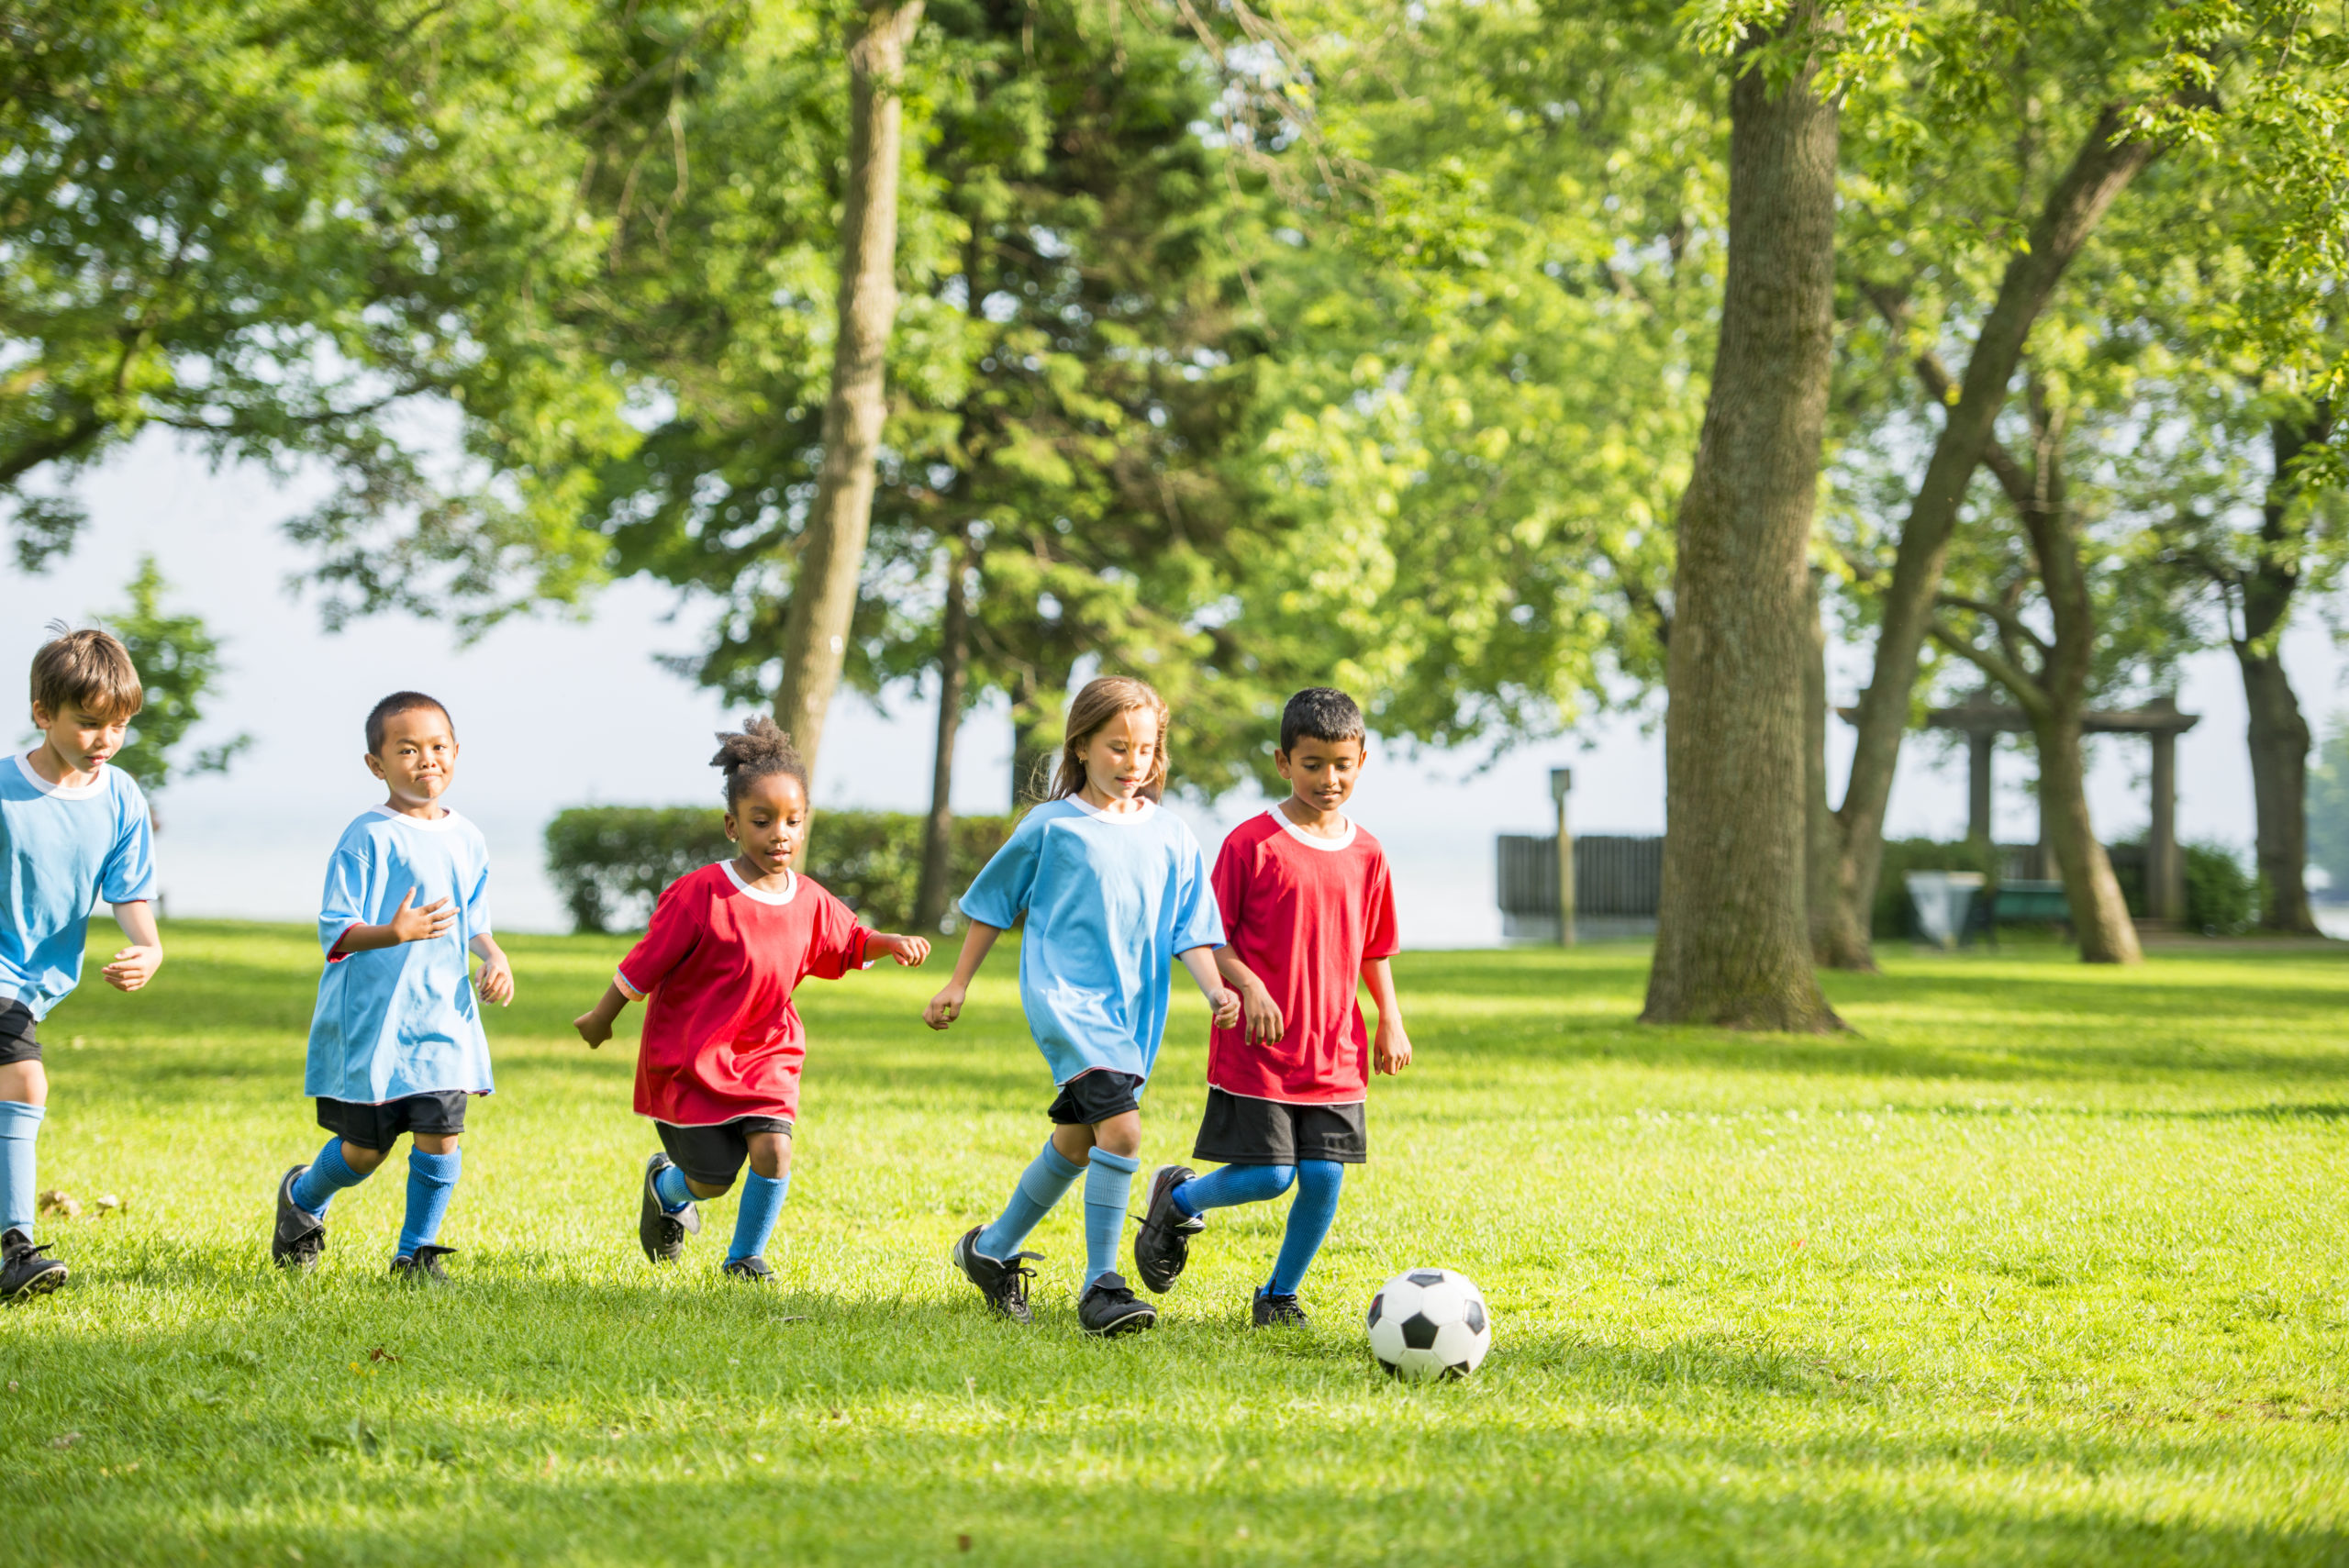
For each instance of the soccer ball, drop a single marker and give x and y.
(1430, 1323)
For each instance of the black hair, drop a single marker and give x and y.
(1324, 713)
(391, 707)
(760, 751)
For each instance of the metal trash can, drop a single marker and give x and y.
(1942, 900)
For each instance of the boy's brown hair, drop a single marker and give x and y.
(89, 668)
(1101, 701)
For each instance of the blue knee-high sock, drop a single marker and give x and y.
(1316, 1204)
(1108, 1182)
(670, 1187)
(431, 1182)
(761, 1206)
(19, 1170)
(327, 1174)
(1041, 1186)
(1232, 1185)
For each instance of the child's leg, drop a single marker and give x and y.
(1108, 1184)
(1045, 1181)
(763, 1191)
(1232, 1185)
(434, 1162)
(1318, 1185)
(24, 1105)
(339, 1164)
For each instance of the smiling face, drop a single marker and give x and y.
(1322, 773)
(418, 758)
(1120, 756)
(81, 739)
(767, 820)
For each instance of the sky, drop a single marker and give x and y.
(559, 711)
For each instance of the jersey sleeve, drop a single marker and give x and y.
(344, 903)
(836, 941)
(674, 929)
(1378, 935)
(129, 874)
(1197, 922)
(998, 895)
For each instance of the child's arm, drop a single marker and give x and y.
(407, 924)
(909, 952)
(1201, 963)
(1264, 1022)
(595, 1025)
(494, 982)
(947, 1006)
(1391, 1052)
(135, 965)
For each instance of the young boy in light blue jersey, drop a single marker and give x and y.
(1116, 892)
(72, 830)
(396, 1042)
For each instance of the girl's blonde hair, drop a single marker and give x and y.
(1101, 701)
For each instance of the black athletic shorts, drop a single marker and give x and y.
(1237, 1130)
(713, 1155)
(18, 1040)
(379, 1126)
(1095, 1096)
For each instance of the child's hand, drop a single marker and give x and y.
(133, 967)
(907, 950)
(1264, 1013)
(413, 925)
(1391, 1052)
(944, 1008)
(1226, 1008)
(493, 982)
(593, 1027)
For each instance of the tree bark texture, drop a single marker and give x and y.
(2102, 168)
(831, 559)
(936, 889)
(2279, 733)
(1733, 942)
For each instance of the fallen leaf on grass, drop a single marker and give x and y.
(59, 1200)
(109, 1203)
(962, 1543)
(65, 1440)
(381, 1354)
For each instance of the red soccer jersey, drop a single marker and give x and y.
(721, 1039)
(1304, 914)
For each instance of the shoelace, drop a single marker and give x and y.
(1016, 1275)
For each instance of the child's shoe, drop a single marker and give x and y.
(1270, 1311)
(1111, 1308)
(1163, 1245)
(752, 1269)
(24, 1272)
(423, 1265)
(662, 1233)
(1005, 1284)
(300, 1235)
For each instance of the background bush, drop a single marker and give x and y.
(609, 863)
(2221, 897)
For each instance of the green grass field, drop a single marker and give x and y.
(2043, 1266)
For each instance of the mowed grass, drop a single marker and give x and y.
(2044, 1265)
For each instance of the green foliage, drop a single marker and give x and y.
(1894, 915)
(178, 660)
(609, 863)
(2221, 897)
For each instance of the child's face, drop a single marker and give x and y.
(418, 758)
(79, 737)
(767, 820)
(1121, 755)
(1322, 773)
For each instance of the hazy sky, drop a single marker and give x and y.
(558, 712)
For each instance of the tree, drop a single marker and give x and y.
(178, 660)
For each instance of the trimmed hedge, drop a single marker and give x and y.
(609, 863)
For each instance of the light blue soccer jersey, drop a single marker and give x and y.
(61, 851)
(1111, 899)
(400, 1021)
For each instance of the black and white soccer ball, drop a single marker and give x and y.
(1428, 1323)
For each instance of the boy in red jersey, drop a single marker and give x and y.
(1307, 908)
(719, 1068)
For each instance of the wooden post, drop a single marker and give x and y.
(1980, 744)
(1561, 783)
(2165, 868)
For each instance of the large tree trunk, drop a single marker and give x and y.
(1733, 942)
(831, 560)
(953, 683)
(2104, 167)
(2278, 733)
(2100, 915)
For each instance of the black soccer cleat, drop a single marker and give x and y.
(1111, 1308)
(1003, 1281)
(1270, 1311)
(662, 1233)
(752, 1270)
(1163, 1245)
(423, 1265)
(24, 1272)
(300, 1236)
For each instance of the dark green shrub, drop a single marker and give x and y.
(2220, 896)
(609, 863)
(1894, 915)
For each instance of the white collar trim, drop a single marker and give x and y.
(440, 824)
(790, 886)
(1342, 842)
(1134, 818)
(58, 791)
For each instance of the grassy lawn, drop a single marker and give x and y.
(2045, 1264)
